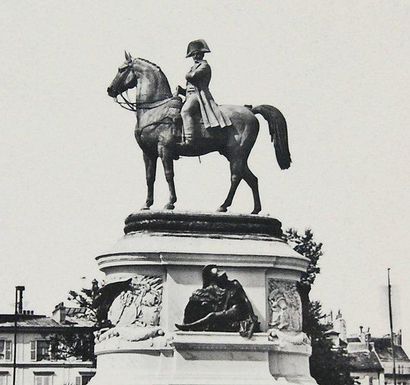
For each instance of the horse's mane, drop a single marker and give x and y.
(151, 63)
(159, 71)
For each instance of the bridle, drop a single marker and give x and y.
(134, 107)
(126, 104)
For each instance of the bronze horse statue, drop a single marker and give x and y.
(159, 130)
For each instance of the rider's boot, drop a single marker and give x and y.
(189, 138)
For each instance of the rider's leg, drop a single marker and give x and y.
(189, 110)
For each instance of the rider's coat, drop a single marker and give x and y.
(198, 79)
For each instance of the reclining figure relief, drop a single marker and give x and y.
(221, 305)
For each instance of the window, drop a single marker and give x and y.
(84, 379)
(43, 379)
(40, 350)
(3, 378)
(5, 350)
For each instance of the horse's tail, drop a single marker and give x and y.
(278, 132)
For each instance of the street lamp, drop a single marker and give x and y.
(18, 309)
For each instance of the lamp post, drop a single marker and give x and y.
(391, 328)
(18, 309)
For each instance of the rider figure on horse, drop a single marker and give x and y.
(199, 101)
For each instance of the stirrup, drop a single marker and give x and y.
(187, 142)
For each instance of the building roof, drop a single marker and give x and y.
(32, 321)
(36, 322)
(78, 322)
(365, 362)
(332, 332)
(77, 316)
(384, 350)
(75, 311)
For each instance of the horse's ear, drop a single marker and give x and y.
(127, 56)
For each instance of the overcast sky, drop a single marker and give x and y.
(72, 171)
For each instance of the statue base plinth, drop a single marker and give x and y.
(204, 358)
(174, 247)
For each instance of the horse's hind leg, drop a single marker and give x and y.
(252, 181)
(150, 171)
(237, 169)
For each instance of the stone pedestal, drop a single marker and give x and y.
(165, 252)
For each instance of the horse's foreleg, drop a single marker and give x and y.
(237, 168)
(252, 181)
(168, 164)
(150, 171)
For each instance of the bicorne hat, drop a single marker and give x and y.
(197, 46)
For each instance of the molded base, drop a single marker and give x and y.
(204, 358)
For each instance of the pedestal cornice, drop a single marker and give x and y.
(164, 238)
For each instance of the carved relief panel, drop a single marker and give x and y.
(135, 311)
(284, 304)
(140, 304)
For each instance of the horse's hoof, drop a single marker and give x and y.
(222, 209)
(144, 208)
(256, 211)
(169, 206)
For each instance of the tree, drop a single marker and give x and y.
(305, 245)
(74, 341)
(92, 306)
(328, 366)
(85, 300)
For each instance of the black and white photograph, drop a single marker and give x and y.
(204, 192)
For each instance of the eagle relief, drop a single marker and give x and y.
(284, 305)
(135, 312)
(285, 313)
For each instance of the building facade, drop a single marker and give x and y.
(25, 349)
(383, 349)
(371, 358)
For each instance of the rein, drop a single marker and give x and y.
(134, 107)
(131, 106)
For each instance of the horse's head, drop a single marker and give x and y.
(150, 82)
(126, 78)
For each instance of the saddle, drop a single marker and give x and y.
(200, 130)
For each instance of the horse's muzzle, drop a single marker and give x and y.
(111, 92)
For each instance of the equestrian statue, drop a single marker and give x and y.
(168, 128)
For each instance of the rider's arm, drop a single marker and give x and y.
(197, 73)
